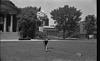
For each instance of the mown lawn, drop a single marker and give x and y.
(57, 51)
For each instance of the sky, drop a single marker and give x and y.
(87, 7)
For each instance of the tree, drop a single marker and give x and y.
(90, 24)
(27, 22)
(67, 19)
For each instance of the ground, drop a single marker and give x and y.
(68, 50)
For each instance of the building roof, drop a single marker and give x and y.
(7, 7)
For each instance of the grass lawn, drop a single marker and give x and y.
(57, 51)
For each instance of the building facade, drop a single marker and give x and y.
(8, 20)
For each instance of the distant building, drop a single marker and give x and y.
(82, 30)
(46, 22)
(50, 30)
(43, 17)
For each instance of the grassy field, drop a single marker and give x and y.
(57, 51)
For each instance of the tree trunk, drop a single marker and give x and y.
(69, 33)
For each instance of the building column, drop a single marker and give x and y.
(17, 27)
(11, 24)
(5, 23)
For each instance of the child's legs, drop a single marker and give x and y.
(45, 44)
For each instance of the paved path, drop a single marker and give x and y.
(92, 40)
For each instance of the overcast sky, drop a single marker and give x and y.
(86, 6)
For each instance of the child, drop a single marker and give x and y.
(45, 42)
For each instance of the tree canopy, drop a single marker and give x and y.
(27, 21)
(90, 24)
(67, 18)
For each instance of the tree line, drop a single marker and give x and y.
(67, 19)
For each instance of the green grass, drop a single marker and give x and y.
(57, 51)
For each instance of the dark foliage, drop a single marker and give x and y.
(67, 19)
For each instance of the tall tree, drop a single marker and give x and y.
(90, 24)
(27, 21)
(67, 19)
